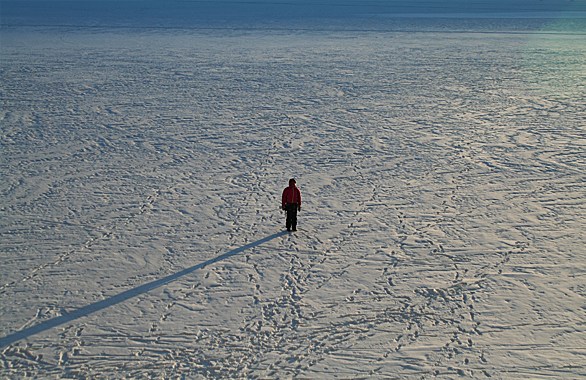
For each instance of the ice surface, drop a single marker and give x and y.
(442, 233)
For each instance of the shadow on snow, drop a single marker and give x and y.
(126, 295)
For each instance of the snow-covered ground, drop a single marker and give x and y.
(442, 232)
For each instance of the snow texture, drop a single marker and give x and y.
(442, 233)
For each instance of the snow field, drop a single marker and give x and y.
(441, 233)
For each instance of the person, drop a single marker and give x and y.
(291, 202)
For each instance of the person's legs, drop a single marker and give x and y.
(291, 217)
(293, 211)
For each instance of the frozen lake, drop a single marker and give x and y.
(441, 159)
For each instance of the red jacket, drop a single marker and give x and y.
(291, 194)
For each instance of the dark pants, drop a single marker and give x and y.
(291, 216)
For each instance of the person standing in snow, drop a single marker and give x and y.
(291, 202)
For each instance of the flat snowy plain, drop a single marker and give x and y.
(442, 234)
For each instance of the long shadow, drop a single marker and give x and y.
(126, 295)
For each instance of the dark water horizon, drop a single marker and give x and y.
(524, 15)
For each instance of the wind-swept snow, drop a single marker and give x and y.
(442, 232)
